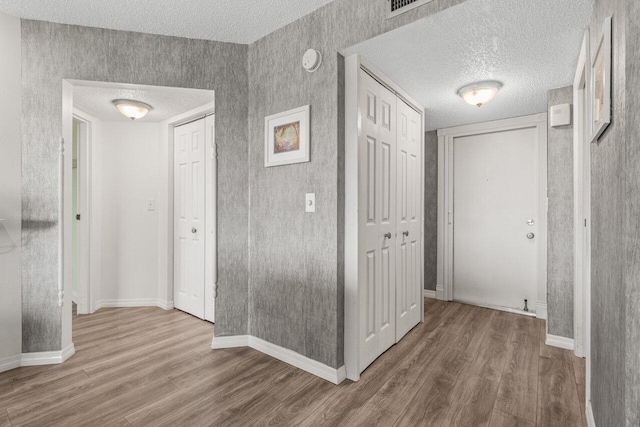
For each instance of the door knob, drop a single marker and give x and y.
(194, 230)
(387, 235)
(530, 236)
(405, 233)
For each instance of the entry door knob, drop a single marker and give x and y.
(194, 230)
(530, 236)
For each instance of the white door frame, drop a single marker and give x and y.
(88, 276)
(165, 264)
(582, 210)
(353, 64)
(164, 207)
(446, 137)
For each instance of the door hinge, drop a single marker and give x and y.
(78, 217)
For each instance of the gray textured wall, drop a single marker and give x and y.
(560, 258)
(53, 52)
(632, 210)
(296, 288)
(607, 237)
(430, 210)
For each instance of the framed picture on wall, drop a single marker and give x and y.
(600, 86)
(287, 137)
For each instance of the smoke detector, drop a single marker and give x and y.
(311, 60)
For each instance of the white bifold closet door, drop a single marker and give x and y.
(189, 218)
(389, 217)
(409, 178)
(377, 220)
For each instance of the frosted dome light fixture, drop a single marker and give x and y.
(480, 93)
(132, 109)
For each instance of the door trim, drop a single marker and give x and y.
(353, 64)
(166, 224)
(582, 211)
(444, 285)
(88, 277)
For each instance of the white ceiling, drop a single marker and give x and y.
(95, 99)
(531, 46)
(237, 21)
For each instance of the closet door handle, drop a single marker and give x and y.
(387, 235)
(405, 233)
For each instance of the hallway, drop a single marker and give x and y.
(145, 366)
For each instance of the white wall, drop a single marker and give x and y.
(10, 187)
(130, 175)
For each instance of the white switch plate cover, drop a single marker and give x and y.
(310, 202)
(151, 204)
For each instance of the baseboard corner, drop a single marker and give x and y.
(229, 342)
(541, 311)
(47, 357)
(429, 294)
(333, 375)
(560, 342)
(10, 362)
(165, 305)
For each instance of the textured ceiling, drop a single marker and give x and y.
(530, 46)
(237, 21)
(95, 99)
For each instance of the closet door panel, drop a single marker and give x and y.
(408, 277)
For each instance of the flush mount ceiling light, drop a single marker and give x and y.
(132, 109)
(480, 93)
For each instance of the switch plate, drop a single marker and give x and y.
(151, 204)
(310, 202)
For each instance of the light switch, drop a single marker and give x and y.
(310, 202)
(151, 204)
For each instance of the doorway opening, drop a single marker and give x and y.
(125, 194)
(487, 208)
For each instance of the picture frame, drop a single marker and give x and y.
(287, 137)
(600, 83)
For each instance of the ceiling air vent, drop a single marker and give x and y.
(396, 7)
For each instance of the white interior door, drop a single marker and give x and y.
(409, 178)
(377, 224)
(189, 218)
(496, 222)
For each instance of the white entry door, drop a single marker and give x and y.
(189, 218)
(496, 224)
(408, 275)
(377, 219)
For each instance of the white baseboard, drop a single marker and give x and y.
(429, 294)
(165, 305)
(230, 342)
(314, 367)
(11, 362)
(440, 294)
(39, 358)
(591, 422)
(133, 302)
(541, 311)
(562, 342)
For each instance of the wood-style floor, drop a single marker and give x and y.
(464, 365)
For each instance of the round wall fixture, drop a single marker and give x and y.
(311, 60)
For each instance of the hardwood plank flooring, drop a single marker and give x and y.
(464, 365)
